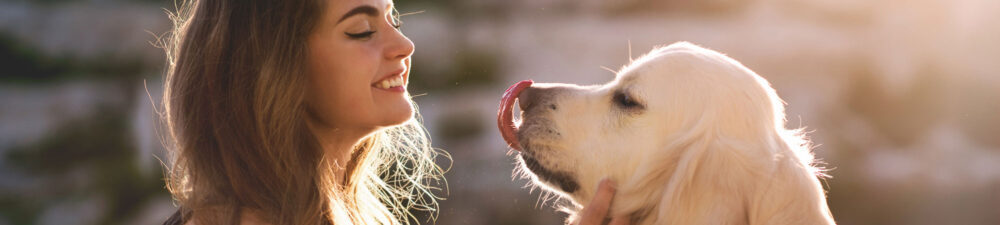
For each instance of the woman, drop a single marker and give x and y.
(296, 112)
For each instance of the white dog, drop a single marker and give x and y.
(689, 135)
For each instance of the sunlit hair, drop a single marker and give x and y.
(236, 116)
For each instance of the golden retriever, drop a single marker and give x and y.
(690, 136)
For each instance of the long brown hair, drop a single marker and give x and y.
(234, 106)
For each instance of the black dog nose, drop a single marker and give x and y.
(537, 97)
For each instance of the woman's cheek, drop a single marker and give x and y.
(355, 93)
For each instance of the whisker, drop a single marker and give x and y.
(630, 50)
(609, 70)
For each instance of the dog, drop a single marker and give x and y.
(689, 135)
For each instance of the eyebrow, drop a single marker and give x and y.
(364, 9)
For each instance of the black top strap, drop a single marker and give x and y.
(177, 219)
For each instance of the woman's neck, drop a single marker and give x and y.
(338, 145)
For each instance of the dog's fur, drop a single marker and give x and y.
(689, 135)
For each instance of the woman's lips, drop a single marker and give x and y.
(395, 82)
(505, 115)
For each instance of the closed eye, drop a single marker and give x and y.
(626, 101)
(361, 35)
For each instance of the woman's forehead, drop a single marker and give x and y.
(343, 6)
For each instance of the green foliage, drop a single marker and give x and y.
(96, 148)
(461, 126)
(471, 68)
(24, 63)
(55, 2)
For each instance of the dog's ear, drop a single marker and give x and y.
(725, 181)
(790, 192)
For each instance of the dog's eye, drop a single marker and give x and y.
(625, 101)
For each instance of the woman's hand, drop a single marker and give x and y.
(597, 210)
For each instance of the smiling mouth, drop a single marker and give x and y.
(390, 83)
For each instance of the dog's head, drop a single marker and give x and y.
(647, 126)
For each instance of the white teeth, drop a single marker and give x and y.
(390, 83)
(397, 82)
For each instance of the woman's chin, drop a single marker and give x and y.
(393, 107)
(398, 114)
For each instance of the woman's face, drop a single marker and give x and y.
(359, 64)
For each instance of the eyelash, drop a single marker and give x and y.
(367, 34)
(362, 35)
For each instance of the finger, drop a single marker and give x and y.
(621, 220)
(597, 210)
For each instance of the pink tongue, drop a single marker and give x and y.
(505, 116)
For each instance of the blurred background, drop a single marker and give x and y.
(901, 97)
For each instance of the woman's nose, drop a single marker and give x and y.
(399, 46)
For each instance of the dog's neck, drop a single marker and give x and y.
(776, 191)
